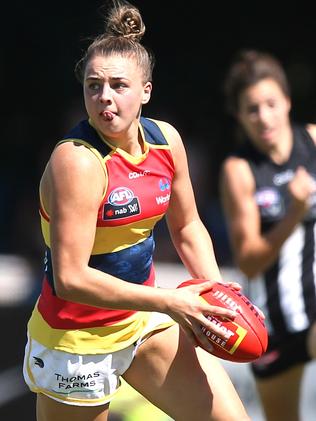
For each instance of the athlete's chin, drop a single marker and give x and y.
(268, 138)
(108, 126)
(111, 131)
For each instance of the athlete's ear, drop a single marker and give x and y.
(146, 92)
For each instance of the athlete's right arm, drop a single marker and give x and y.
(254, 252)
(72, 187)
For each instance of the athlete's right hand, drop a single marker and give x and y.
(301, 188)
(190, 311)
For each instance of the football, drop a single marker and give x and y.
(248, 335)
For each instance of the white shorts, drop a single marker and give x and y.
(82, 380)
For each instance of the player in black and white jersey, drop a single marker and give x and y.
(268, 192)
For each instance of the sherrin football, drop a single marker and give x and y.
(248, 335)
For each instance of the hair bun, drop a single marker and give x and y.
(125, 21)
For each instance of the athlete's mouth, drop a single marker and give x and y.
(107, 115)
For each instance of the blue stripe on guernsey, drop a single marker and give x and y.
(152, 132)
(85, 131)
(131, 264)
(48, 269)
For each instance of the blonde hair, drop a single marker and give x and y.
(124, 29)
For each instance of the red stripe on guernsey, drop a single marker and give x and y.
(61, 314)
(141, 190)
(43, 213)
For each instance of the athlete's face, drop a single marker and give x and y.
(264, 113)
(114, 92)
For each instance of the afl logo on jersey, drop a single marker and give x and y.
(121, 196)
(270, 203)
(122, 203)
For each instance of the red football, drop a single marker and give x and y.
(248, 334)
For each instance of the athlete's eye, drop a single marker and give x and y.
(252, 109)
(117, 86)
(94, 86)
(272, 103)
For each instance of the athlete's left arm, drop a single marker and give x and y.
(189, 235)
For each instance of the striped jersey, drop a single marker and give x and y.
(286, 292)
(135, 199)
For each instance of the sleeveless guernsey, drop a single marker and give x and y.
(286, 292)
(136, 198)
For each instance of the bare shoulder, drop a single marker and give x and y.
(72, 156)
(311, 128)
(233, 163)
(71, 170)
(236, 174)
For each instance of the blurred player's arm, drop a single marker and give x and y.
(254, 252)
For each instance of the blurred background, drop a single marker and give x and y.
(193, 44)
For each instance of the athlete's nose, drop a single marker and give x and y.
(106, 96)
(264, 114)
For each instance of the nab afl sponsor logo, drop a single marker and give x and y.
(121, 204)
